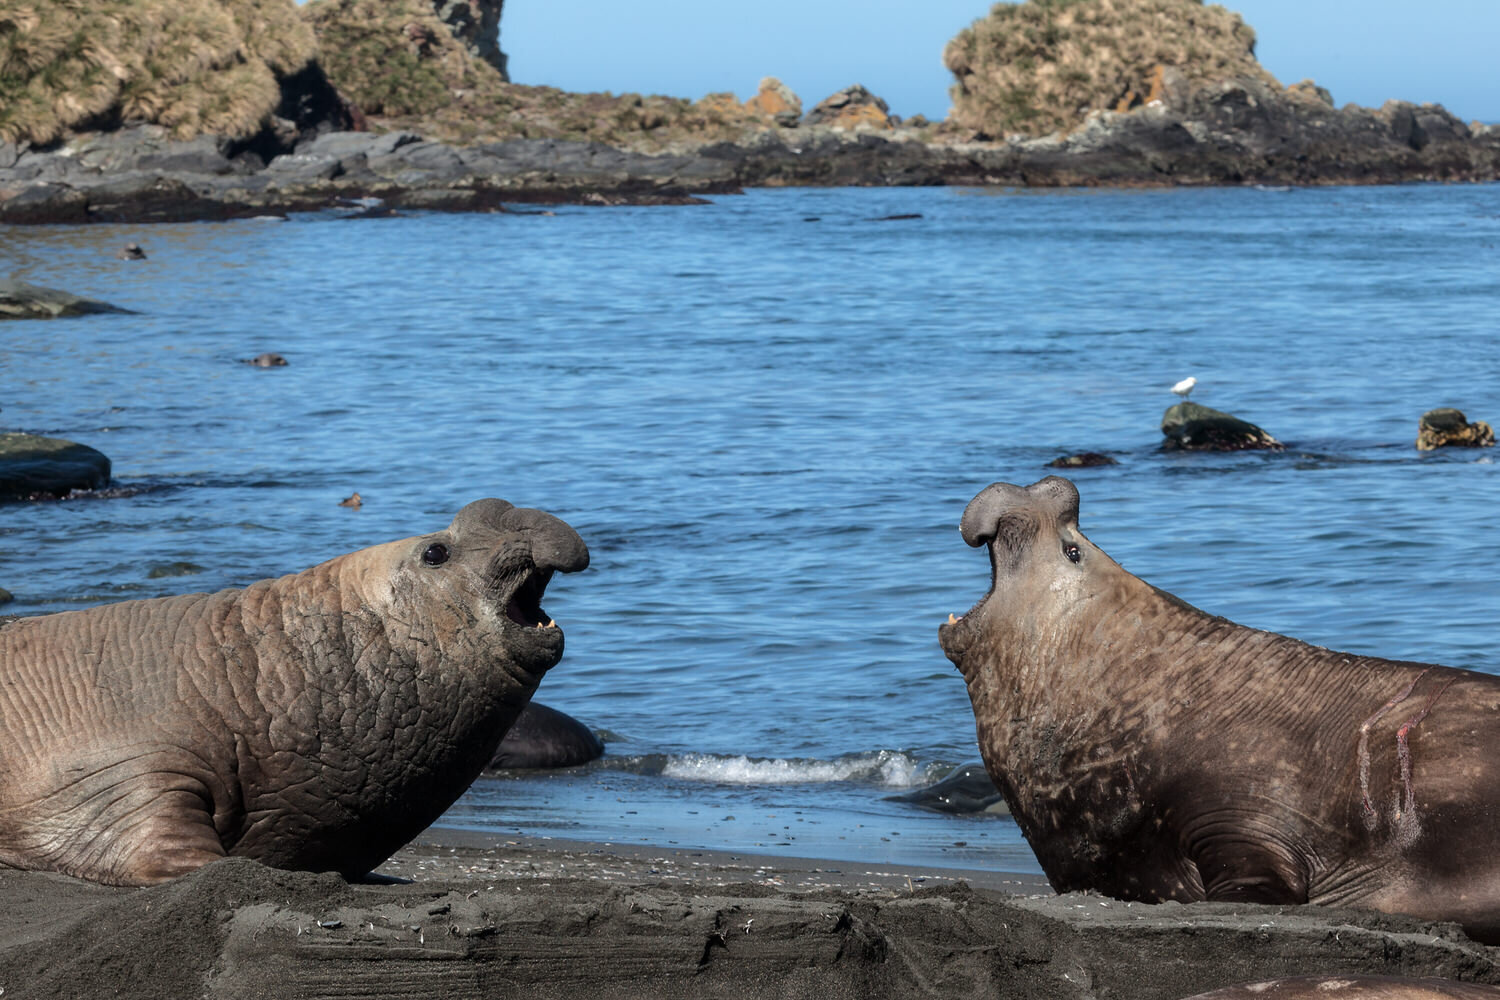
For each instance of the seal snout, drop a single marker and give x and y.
(543, 545)
(1001, 509)
(554, 544)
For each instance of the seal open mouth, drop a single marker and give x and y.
(525, 604)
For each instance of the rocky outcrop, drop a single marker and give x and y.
(158, 180)
(33, 467)
(851, 108)
(1229, 136)
(476, 25)
(192, 66)
(20, 300)
(1038, 67)
(1191, 427)
(411, 57)
(1447, 427)
(776, 102)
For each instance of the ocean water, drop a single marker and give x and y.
(765, 416)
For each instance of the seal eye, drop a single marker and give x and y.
(1072, 552)
(435, 554)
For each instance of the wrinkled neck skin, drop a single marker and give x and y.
(352, 708)
(1118, 721)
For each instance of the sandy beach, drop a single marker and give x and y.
(463, 914)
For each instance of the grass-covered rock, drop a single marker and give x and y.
(413, 65)
(1041, 66)
(194, 66)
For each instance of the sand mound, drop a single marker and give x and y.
(535, 921)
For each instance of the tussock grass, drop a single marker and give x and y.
(396, 57)
(1041, 66)
(193, 66)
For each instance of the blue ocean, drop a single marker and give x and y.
(765, 416)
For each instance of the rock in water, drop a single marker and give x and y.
(1082, 460)
(1191, 427)
(20, 300)
(32, 466)
(1446, 427)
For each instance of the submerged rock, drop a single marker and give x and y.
(1447, 427)
(32, 466)
(1082, 460)
(1191, 427)
(20, 300)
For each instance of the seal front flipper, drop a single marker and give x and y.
(139, 831)
(177, 838)
(1239, 867)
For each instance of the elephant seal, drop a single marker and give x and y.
(1151, 752)
(1354, 988)
(545, 737)
(966, 790)
(317, 721)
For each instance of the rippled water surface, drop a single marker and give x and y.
(765, 416)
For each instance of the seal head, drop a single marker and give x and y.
(1032, 536)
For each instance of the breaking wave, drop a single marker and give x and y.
(884, 768)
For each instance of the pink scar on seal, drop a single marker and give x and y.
(1403, 749)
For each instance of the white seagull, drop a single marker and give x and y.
(1185, 386)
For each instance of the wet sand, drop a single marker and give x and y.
(457, 914)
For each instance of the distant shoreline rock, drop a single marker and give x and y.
(1235, 134)
(407, 102)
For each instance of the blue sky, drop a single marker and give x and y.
(1447, 51)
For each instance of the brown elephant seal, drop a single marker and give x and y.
(317, 721)
(1354, 988)
(1152, 752)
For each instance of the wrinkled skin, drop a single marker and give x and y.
(317, 721)
(1153, 752)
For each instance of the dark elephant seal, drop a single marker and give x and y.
(1151, 751)
(966, 790)
(545, 737)
(1355, 988)
(317, 721)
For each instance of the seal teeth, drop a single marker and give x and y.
(952, 618)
